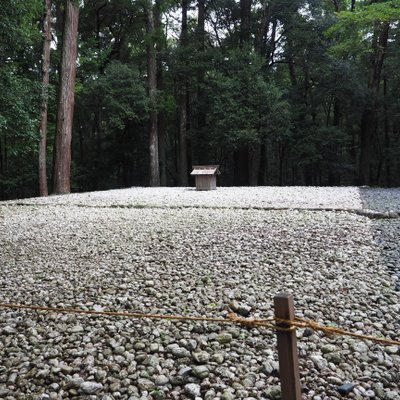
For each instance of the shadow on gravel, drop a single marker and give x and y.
(386, 232)
(380, 199)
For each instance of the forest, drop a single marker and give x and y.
(101, 94)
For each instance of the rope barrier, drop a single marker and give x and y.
(232, 318)
(331, 330)
(288, 325)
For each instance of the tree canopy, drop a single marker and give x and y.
(276, 92)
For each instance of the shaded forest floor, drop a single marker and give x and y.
(175, 250)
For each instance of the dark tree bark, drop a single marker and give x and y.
(201, 18)
(245, 16)
(281, 157)
(386, 128)
(241, 157)
(266, 48)
(336, 111)
(241, 166)
(3, 154)
(370, 112)
(160, 83)
(182, 107)
(332, 155)
(1, 157)
(3, 165)
(183, 166)
(261, 35)
(289, 58)
(65, 112)
(152, 83)
(254, 163)
(202, 144)
(43, 190)
(263, 172)
(338, 5)
(300, 89)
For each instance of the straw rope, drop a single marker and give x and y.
(284, 325)
(232, 318)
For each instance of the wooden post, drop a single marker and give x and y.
(287, 349)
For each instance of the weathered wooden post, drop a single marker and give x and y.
(287, 349)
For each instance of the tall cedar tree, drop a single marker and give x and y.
(65, 112)
(200, 77)
(152, 83)
(160, 46)
(43, 190)
(182, 105)
(241, 154)
(369, 116)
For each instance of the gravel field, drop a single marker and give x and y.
(229, 197)
(157, 254)
(250, 197)
(380, 199)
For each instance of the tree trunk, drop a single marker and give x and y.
(270, 53)
(2, 191)
(241, 166)
(183, 167)
(264, 28)
(245, 13)
(281, 157)
(182, 106)
(152, 82)
(160, 83)
(338, 5)
(162, 150)
(370, 112)
(254, 163)
(43, 190)
(386, 128)
(333, 151)
(62, 163)
(202, 142)
(241, 157)
(5, 156)
(1, 157)
(262, 174)
(201, 18)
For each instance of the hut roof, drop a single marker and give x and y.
(205, 170)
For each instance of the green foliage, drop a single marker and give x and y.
(19, 95)
(353, 30)
(18, 26)
(295, 99)
(19, 105)
(279, 123)
(122, 93)
(243, 106)
(372, 12)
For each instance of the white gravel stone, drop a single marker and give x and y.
(91, 387)
(192, 390)
(320, 362)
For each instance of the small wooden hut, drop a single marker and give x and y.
(206, 176)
